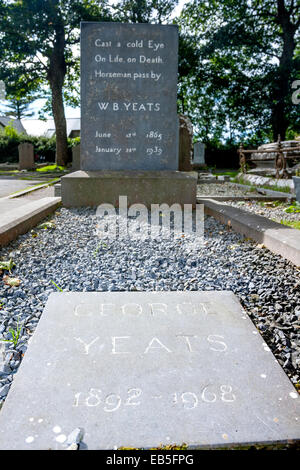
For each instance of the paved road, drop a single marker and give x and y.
(10, 185)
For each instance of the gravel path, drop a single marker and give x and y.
(71, 256)
(223, 189)
(272, 210)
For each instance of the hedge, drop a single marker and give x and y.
(44, 147)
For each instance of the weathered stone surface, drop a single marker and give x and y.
(128, 96)
(23, 218)
(76, 158)
(185, 143)
(91, 188)
(296, 180)
(26, 156)
(141, 369)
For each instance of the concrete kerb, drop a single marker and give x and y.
(244, 198)
(278, 238)
(33, 188)
(270, 192)
(25, 217)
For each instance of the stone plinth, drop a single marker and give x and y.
(144, 369)
(91, 188)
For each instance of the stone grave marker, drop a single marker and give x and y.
(128, 95)
(129, 124)
(143, 369)
(76, 157)
(185, 143)
(199, 153)
(26, 156)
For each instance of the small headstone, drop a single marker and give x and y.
(129, 96)
(185, 143)
(76, 158)
(144, 369)
(26, 156)
(199, 153)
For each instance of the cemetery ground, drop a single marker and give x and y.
(65, 254)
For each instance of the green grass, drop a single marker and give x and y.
(15, 335)
(8, 172)
(292, 224)
(52, 181)
(231, 173)
(50, 168)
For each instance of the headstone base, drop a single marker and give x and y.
(91, 188)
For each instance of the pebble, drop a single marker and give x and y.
(271, 211)
(267, 286)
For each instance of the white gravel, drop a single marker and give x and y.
(72, 256)
(274, 210)
(223, 189)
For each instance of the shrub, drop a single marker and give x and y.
(44, 147)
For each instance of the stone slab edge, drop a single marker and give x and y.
(30, 190)
(25, 217)
(270, 192)
(278, 238)
(244, 198)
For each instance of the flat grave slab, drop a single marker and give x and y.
(143, 369)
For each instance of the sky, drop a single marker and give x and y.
(75, 112)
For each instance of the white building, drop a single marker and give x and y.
(39, 128)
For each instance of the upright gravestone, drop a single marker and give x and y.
(26, 156)
(148, 369)
(199, 153)
(129, 119)
(185, 143)
(128, 93)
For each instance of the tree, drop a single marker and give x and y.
(248, 60)
(37, 39)
(144, 11)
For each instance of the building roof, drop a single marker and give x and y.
(16, 123)
(47, 128)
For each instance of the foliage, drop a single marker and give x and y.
(143, 11)
(57, 287)
(247, 61)
(293, 208)
(15, 335)
(38, 38)
(44, 147)
(6, 265)
(291, 223)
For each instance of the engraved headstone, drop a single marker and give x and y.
(144, 369)
(199, 152)
(128, 96)
(26, 156)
